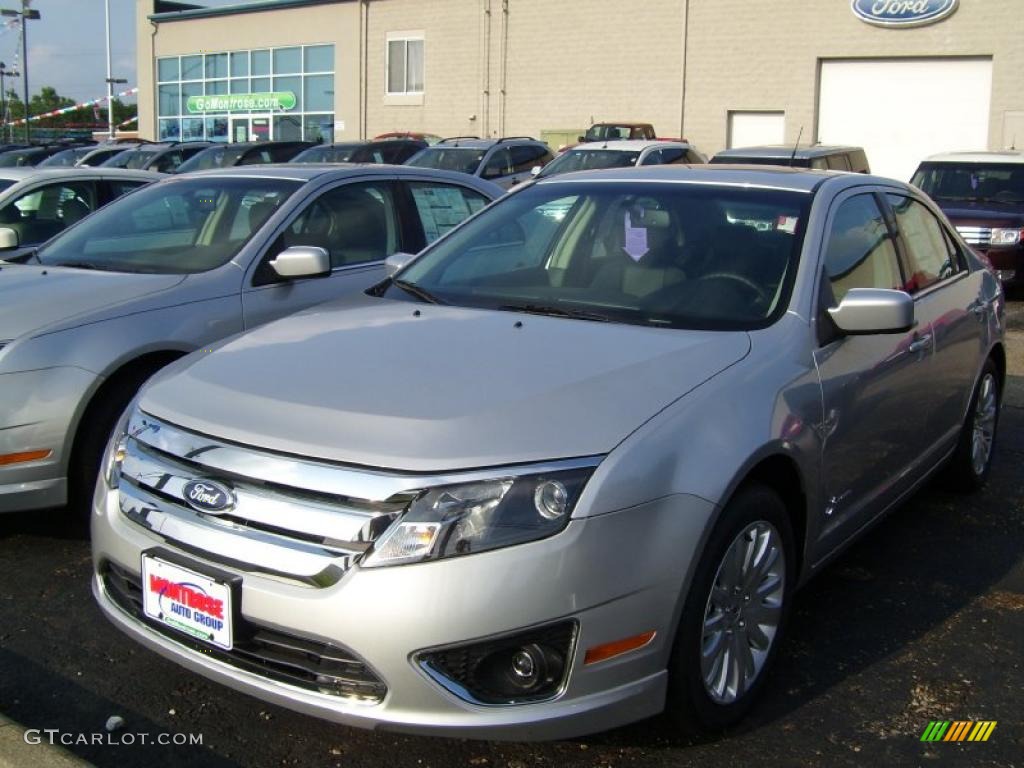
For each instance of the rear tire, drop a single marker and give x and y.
(735, 613)
(94, 433)
(971, 462)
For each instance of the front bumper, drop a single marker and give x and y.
(617, 575)
(37, 409)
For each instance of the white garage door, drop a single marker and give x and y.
(750, 129)
(903, 110)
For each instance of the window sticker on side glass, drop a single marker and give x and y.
(787, 224)
(440, 209)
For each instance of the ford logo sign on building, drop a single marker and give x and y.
(903, 13)
(208, 496)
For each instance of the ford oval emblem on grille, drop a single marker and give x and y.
(208, 496)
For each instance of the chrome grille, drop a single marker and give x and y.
(975, 235)
(309, 533)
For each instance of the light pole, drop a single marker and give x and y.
(4, 72)
(26, 14)
(110, 79)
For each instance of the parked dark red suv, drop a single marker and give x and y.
(982, 193)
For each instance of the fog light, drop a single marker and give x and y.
(527, 667)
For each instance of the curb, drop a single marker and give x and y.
(16, 753)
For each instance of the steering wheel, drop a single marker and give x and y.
(744, 281)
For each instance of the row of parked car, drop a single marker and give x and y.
(562, 469)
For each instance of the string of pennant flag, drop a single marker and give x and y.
(73, 107)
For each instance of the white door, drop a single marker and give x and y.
(902, 110)
(752, 129)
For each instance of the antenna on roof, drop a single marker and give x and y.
(796, 146)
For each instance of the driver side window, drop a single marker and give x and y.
(42, 213)
(930, 255)
(859, 252)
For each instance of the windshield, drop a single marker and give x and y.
(608, 132)
(981, 182)
(20, 157)
(461, 159)
(589, 159)
(341, 153)
(5, 183)
(213, 157)
(178, 227)
(796, 162)
(66, 157)
(132, 158)
(666, 255)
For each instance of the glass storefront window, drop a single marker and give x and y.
(189, 89)
(260, 63)
(240, 64)
(293, 84)
(215, 87)
(287, 128)
(260, 84)
(216, 65)
(240, 85)
(287, 61)
(217, 128)
(167, 70)
(318, 128)
(192, 129)
(319, 94)
(318, 58)
(170, 130)
(168, 100)
(191, 67)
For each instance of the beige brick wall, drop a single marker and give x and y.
(761, 55)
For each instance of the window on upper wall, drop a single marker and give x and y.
(405, 65)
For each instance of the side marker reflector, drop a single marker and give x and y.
(617, 648)
(18, 458)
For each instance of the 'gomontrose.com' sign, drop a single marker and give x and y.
(238, 102)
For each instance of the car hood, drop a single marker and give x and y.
(421, 388)
(33, 297)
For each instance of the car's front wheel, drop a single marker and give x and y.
(735, 613)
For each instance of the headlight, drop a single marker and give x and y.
(454, 520)
(116, 447)
(1006, 236)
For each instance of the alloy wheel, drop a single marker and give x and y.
(743, 612)
(984, 427)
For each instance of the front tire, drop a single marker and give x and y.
(971, 462)
(734, 615)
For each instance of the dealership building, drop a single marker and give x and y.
(902, 78)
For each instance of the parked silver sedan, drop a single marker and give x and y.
(89, 316)
(568, 466)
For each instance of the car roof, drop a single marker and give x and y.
(474, 143)
(1003, 156)
(784, 151)
(306, 172)
(24, 172)
(768, 177)
(628, 145)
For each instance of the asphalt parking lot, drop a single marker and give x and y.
(923, 619)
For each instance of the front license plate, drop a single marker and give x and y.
(187, 601)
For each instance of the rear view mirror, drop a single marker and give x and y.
(8, 239)
(874, 310)
(396, 262)
(302, 261)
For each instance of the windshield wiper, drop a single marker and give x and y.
(79, 265)
(542, 309)
(414, 290)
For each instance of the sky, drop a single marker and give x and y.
(67, 46)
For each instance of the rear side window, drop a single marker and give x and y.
(525, 156)
(860, 252)
(441, 207)
(930, 255)
(499, 164)
(838, 163)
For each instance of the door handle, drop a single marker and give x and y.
(921, 343)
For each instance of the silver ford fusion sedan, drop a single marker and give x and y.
(566, 468)
(168, 269)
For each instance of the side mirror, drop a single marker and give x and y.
(396, 262)
(8, 239)
(535, 170)
(581, 139)
(874, 310)
(302, 261)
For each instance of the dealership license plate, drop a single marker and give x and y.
(187, 601)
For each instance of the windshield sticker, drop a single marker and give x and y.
(635, 240)
(787, 224)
